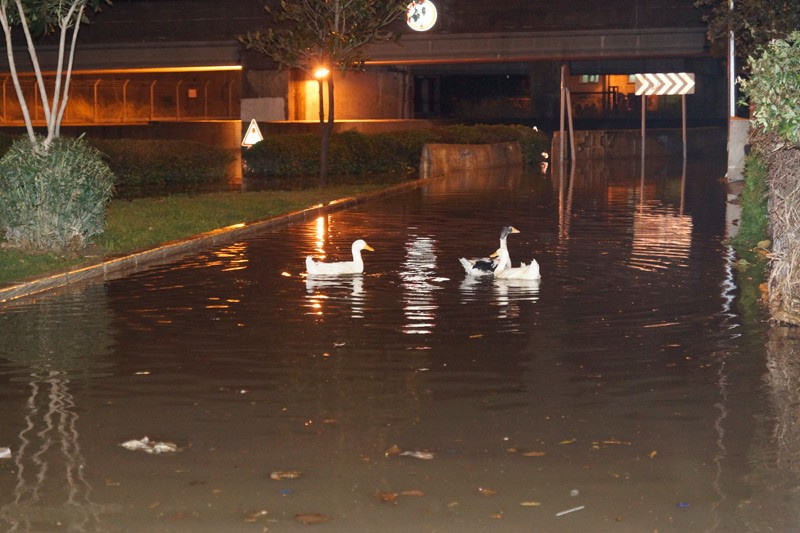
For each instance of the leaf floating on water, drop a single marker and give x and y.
(285, 474)
(394, 449)
(534, 454)
(476, 336)
(568, 441)
(286, 275)
(486, 492)
(416, 493)
(530, 504)
(615, 441)
(387, 497)
(652, 454)
(312, 518)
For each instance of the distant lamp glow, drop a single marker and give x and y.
(321, 73)
(421, 15)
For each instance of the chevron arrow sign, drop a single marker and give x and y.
(664, 83)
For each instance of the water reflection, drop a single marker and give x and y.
(337, 288)
(418, 275)
(52, 347)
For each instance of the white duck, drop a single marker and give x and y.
(356, 266)
(504, 269)
(485, 266)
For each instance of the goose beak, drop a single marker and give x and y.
(514, 230)
(495, 254)
(368, 247)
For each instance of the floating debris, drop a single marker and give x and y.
(279, 475)
(486, 492)
(146, 445)
(5, 453)
(312, 518)
(530, 504)
(571, 510)
(534, 454)
(417, 455)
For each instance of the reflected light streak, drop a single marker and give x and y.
(321, 232)
(660, 240)
(419, 269)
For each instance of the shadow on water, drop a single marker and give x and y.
(625, 386)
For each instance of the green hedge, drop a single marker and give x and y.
(355, 154)
(154, 167)
(146, 167)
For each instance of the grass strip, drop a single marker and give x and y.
(142, 223)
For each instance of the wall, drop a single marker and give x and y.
(443, 159)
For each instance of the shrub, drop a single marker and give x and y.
(774, 87)
(53, 200)
(753, 220)
(156, 165)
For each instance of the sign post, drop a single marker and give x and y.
(669, 83)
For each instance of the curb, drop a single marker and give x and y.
(115, 267)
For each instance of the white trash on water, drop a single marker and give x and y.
(5, 453)
(150, 446)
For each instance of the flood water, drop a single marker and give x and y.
(628, 391)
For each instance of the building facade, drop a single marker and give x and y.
(143, 61)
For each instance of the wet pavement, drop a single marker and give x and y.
(628, 391)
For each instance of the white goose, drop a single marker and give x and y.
(356, 266)
(485, 266)
(504, 269)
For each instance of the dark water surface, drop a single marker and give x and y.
(629, 381)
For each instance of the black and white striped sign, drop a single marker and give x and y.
(664, 83)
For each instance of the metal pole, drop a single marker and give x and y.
(561, 120)
(125, 101)
(152, 100)
(644, 108)
(571, 129)
(731, 70)
(683, 114)
(205, 100)
(178, 99)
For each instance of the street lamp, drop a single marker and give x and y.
(321, 73)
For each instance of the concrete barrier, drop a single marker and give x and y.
(442, 159)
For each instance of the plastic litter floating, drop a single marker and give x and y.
(150, 446)
(5, 453)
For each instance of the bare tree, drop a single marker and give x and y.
(313, 34)
(45, 17)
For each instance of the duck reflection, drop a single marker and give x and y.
(322, 290)
(509, 293)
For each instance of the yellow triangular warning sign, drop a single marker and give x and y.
(253, 135)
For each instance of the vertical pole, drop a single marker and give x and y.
(152, 100)
(125, 101)
(644, 109)
(683, 123)
(731, 70)
(571, 129)
(96, 83)
(561, 145)
(205, 100)
(178, 99)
